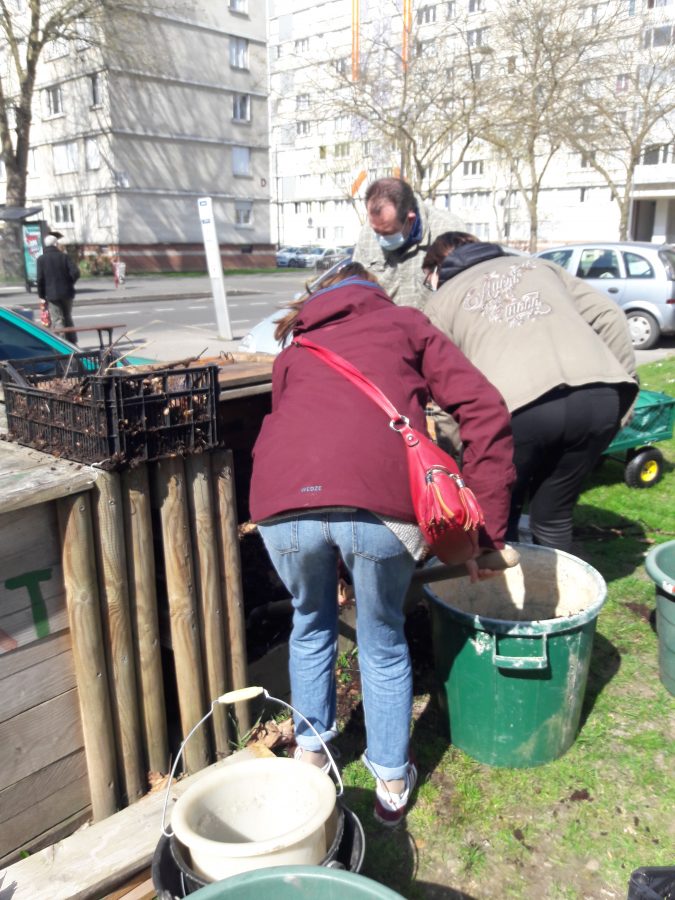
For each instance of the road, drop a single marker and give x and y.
(174, 316)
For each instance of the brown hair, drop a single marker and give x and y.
(444, 244)
(391, 190)
(286, 324)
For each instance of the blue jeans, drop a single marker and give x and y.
(305, 550)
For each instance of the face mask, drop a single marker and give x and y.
(389, 242)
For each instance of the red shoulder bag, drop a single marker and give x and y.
(447, 511)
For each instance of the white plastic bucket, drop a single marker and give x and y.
(256, 814)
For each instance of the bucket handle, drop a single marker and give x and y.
(238, 696)
(521, 663)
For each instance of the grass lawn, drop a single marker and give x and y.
(576, 827)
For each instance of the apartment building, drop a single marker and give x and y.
(141, 117)
(323, 155)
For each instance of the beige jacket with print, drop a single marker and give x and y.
(530, 327)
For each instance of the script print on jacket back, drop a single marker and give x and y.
(496, 300)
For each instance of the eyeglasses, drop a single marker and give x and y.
(427, 283)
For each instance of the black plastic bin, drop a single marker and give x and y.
(652, 883)
(87, 408)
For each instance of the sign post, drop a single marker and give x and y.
(212, 250)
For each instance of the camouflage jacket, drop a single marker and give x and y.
(400, 272)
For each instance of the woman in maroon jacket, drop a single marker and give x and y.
(330, 481)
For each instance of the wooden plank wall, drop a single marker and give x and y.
(44, 789)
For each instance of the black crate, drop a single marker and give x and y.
(79, 408)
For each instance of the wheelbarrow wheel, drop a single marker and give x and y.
(645, 468)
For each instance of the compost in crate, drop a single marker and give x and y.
(512, 655)
(85, 408)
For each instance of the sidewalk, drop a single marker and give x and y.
(103, 291)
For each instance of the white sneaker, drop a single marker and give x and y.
(324, 766)
(390, 809)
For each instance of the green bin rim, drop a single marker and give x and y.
(654, 566)
(536, 626)
(264, 879)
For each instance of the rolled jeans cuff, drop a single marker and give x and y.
(384, 773)
(309, 741)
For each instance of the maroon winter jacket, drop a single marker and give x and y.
(327, 444)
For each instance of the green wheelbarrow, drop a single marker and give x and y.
(653, 420)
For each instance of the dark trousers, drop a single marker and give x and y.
(61, 312)
(557, 442)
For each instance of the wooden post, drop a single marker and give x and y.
(230, 558)
(84, 616)
(116, 617)
(144, 618)
(207, 573)
(180, 584)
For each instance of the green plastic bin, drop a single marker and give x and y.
(512, 654)
(296, 883)
(660, 565)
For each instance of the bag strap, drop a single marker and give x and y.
(351, 373)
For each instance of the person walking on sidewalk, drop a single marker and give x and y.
(330, 482)
(56, 277)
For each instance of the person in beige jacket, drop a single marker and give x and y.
(557, 350)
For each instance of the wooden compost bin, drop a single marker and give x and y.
(83, 711)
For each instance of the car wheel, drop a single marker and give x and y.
(645, 468)
(644, 329)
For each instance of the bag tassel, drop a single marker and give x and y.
(439, 516)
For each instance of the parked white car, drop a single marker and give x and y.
(640, 277)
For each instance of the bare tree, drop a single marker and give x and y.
(411, 93)
(28, 30)
(533, 55)
(628, 109)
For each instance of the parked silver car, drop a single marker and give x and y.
(640, 277)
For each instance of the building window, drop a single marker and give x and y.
(426, 15)
(652, 156)
(451, 10)
(95, 87)
(56, 49)
(622, 82)
(302, 127)
(238, 53)
(104, 210)
(53, 100)
(473, 167)
(475, 37)
(241, 161)
(322, 152)
(587, 159)
(302, 101)
(92, 154)
(658, 37)
(302, 45)
(511, 65)
(366, 148)
(243, 214)
(63, 213)
(321, 234)
(476, 6)
(475, 71)
(238, 6)
(342, 150)
(340, 66)
(66, 158)
(241, 108)
(32, 162)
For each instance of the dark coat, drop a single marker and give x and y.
(327, 444)
(56, 275)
